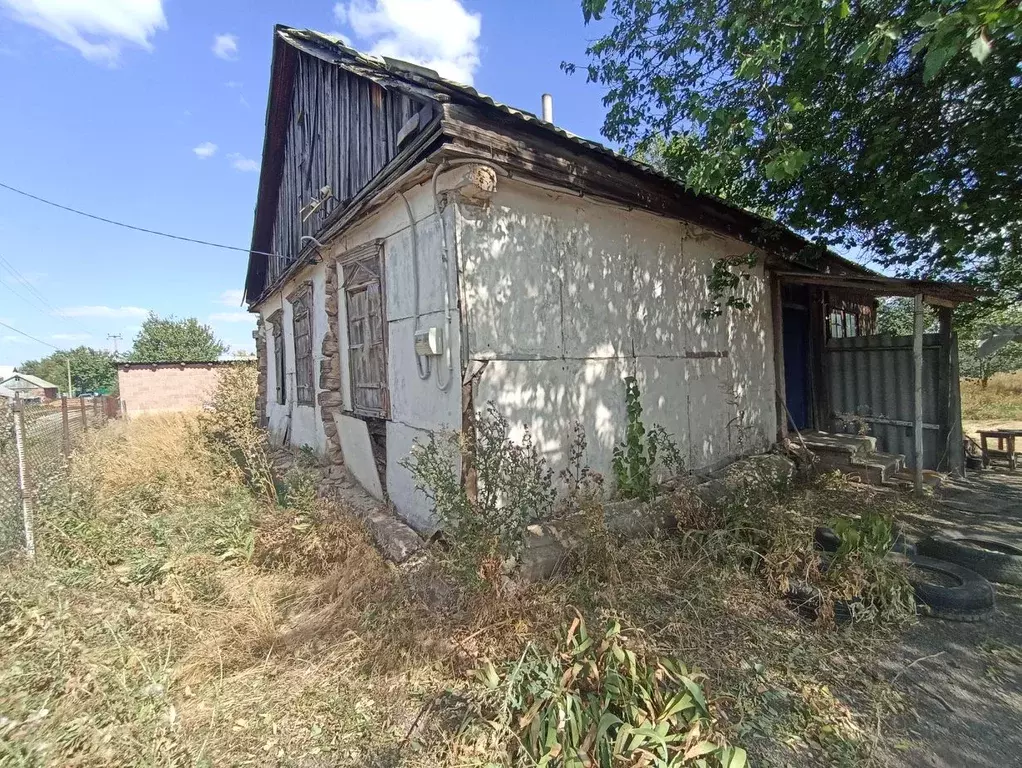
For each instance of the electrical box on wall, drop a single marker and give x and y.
(430, 342)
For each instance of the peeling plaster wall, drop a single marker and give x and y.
(565, 297)
(417, 406)
(306, 428)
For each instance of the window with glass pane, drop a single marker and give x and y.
(837, 324)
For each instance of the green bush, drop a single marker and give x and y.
(597, 701)
(514, 489)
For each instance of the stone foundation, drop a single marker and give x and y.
(330, 370)
(262, 379)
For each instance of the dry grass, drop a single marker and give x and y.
(1000, 400)
(173, 619)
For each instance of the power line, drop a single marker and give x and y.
(132, 226)
(28, 285)
(29, 336)
(19, 294)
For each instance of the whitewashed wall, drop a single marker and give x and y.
(417, 406)
(565, 297)
(300, 422)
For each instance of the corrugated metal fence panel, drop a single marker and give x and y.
(873, 377)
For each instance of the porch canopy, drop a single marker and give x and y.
(943, 398)
(933, 292)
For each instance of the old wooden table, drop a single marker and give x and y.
(1005, 444)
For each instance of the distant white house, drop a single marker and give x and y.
(8, 393)
(30, 387)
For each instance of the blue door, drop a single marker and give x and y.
(798, 389)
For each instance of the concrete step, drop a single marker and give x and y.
(827, 442)
(875, 468)
(878, 468)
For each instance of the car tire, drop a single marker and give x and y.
(968, 596)
(989, 556)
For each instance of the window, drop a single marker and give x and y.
(843, 324)
(837, 324)
(277, 321)
(367, 349)
(301, 317)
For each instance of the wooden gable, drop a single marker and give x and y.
(342, 131)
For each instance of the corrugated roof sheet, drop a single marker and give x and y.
(35, 381)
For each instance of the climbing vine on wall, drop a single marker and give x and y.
(728, 273)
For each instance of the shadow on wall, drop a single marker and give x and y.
(565, 298)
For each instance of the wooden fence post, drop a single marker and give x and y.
(81, 407)
(65, 427)
(24, 485)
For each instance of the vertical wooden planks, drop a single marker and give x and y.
(342, 132)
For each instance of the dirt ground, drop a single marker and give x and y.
(972, 428)
(964, 681)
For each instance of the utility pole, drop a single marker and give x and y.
(70, 391)
(115, 337)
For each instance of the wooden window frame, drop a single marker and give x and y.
(279, 360)
(363, 272)
(302, 335)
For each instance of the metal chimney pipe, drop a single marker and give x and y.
(548, 108)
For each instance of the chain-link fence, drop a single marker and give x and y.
(37, 440)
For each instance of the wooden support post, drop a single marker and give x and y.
(776, 312)
(81, 408)
(917, 359)
(65, 427)
(24, 483)
(948, 459)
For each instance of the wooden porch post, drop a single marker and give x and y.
(776, 310)
(917, 359)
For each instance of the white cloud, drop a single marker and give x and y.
(14, 339)
(233, 84)
(225, 47)
(439, 34)
(101, 311)
(241, 163)
(70, 336)
(232, 297)
(340, 36)
(205, 150)
(97, 29)
(232, 317)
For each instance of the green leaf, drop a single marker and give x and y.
(928, 19)
(737, 759)
(697, 694)
(980, 48)
(844, 10)
(593, 9)
(936, 57)
(607, 721)
(861, 52)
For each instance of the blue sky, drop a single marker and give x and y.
(151, 112)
